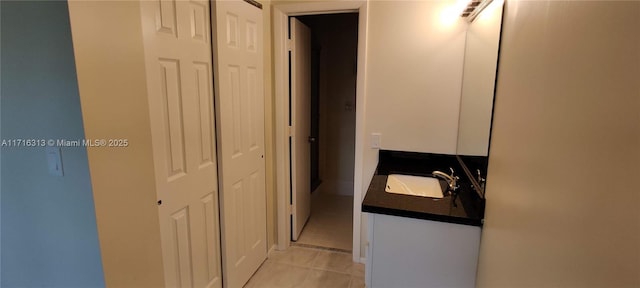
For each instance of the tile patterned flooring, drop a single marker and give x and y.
(308, 268)
(331, 222)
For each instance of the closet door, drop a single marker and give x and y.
(177, 46)
(240, 115)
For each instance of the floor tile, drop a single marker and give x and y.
(358, 270)
(322, 279)
(308, 268)
(357, 282)
(278, 275)
(334, 261)
(331, 222)
(295, 256)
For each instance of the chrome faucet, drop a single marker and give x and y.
(452, 180)
(481, 180)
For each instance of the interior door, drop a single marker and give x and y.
(300, 116)
(240, 114)
(177, 46)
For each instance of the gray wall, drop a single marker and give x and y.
(48, 235)
(339, 40)
(337, 35)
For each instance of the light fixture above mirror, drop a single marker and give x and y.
(473, 8)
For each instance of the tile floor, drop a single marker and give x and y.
(308, 268)
(330, 223)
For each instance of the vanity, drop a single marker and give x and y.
(419, 241)
(424, 227)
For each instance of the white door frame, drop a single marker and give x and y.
(281, 14)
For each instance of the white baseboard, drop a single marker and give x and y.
(273, 248)
(338, 187)
(363, 260)
(345, 187)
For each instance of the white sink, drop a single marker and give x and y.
(414, 185)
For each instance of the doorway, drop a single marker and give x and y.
(281, 43)
(333, 50)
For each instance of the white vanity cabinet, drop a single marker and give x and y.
(407, 252)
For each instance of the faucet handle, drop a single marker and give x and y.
(453, 174)
(454, 180)
(480, 179)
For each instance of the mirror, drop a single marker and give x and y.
(478, 86)
(479, 77)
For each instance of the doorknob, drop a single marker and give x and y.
(312, 139)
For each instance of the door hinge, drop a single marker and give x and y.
(289, 44)
(290, 209)
(289, 131)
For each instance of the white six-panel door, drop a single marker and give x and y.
(177, 46)
(301, 125)
(239, 96)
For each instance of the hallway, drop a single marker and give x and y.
(308, 268)
(330, 223)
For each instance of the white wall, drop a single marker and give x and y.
(480, 62)
(49, 236)
(339, 58)
(562, 198)
(414, 60)
(414, 75)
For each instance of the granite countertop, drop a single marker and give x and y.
(467, 208)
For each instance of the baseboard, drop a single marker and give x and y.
(344, 187)
(363, 260)
(273, 248)
(338, 187)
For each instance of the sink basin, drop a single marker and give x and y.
(414, 185)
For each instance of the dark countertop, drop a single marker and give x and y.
(466, 208)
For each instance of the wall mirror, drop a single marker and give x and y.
(478, 83)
